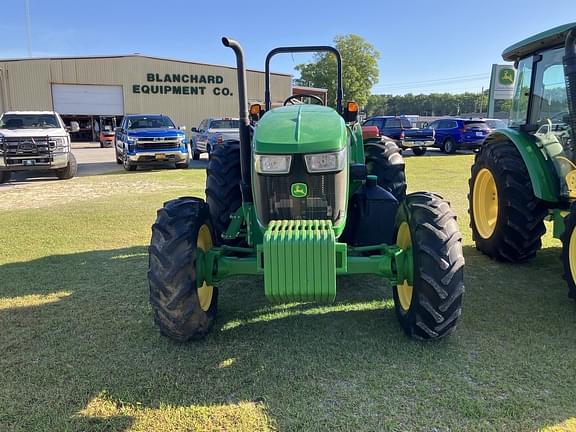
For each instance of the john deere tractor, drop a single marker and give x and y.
(299, 200)
(527, 172)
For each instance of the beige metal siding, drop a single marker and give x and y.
(29, 85)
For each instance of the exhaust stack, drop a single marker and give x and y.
(245, 153)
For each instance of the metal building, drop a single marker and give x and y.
(89, 89)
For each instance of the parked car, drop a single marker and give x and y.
(400, 130)
(213, 131)
(453, 134)
(149, 138)
(35, 141)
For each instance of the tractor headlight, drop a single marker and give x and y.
(323, 162)
(272, 164)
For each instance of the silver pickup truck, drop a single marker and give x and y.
(35, 141)
(213, 131)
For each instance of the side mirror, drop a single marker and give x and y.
(350, 112)
(182, 128)
(193, 129)
(74, 126)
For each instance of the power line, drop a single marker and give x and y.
(442, 80)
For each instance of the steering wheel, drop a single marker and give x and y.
(290, 99)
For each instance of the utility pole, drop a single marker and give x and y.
(28, 26)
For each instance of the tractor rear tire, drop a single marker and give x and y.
(507, 220)
(182, 310)
(70, 170)
(569, 251)
(223, 188)
(384, 159)
(430, 306)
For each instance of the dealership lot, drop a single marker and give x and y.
(80, 350)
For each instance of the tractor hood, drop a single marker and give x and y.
(300, 129)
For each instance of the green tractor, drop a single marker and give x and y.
(299, 200)
(526, 173)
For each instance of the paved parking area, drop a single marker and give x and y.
(92, 160)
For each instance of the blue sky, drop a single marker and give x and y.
(425, 46)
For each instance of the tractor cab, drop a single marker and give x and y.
(526, 173)
(544, 98)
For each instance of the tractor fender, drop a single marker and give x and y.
(540, 167)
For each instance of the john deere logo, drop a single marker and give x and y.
(299, 190)
(506, 76)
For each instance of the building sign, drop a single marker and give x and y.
(501, 85)
(182, 84)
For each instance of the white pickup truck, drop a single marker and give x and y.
(35, 141)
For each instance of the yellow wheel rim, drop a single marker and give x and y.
(206, 291)
(572, 255)
(485, 203)
(405, 290)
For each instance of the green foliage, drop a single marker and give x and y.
(359, 64)
(434, 104)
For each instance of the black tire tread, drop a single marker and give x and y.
(172, 274)
(384, 159)
(438, 267)
(520, 224)
(223, 187)
(569, 227)
(70, 170)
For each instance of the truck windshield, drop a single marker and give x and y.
(29, 121)
(150, 122)
(225, 124)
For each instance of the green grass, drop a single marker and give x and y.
(79, 351)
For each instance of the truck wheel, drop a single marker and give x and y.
(429, 302)
(507, 220)
(70, 170)
(128, 166)
(384, 160)
(5, 176)
(223, 188)
(182, 309)
(118, 157)
(418, 151)
(196, 155)
(449, 146)
(569, 251)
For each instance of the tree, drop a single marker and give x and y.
(359, 70)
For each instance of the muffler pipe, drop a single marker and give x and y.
(245, 152)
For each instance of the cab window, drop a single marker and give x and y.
(549, 100)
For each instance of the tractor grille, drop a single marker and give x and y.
(326, 199)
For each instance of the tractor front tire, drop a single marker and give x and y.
(384, 160)
(223, 187)
(507, 220)
(569, 251)
(428, 306)
(182, 310)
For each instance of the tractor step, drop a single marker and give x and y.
(299, 260)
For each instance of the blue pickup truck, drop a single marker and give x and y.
(400, 130)
(150, 138)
